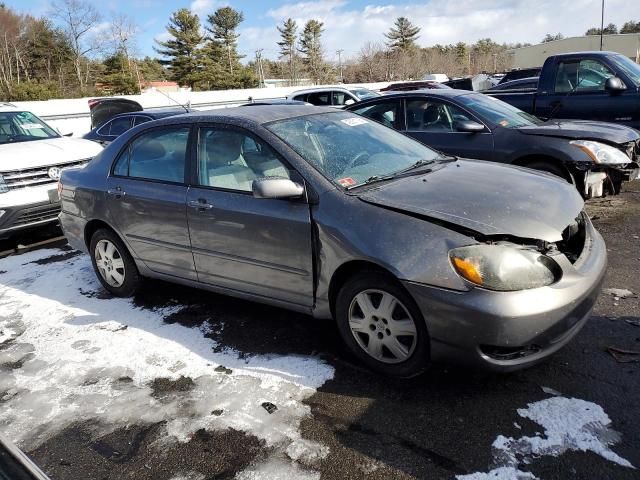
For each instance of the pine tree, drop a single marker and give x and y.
(182, 52)
(402, 35)
(630, 27)
(311, 48)
(288, 33)
(223, 25)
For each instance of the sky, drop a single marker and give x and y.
(349, 24)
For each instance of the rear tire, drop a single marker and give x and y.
(113, 264)
(382, 325)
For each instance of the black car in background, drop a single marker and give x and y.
(595, 156)
(108, 131)
(602, 86)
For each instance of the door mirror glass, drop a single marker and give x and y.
(614, 85)
(349, 101)
(276, 187)
(469, 126)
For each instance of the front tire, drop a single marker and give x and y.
(382, 326)
(549, 167)
(113, 264)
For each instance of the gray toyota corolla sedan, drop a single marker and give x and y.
(417, 256)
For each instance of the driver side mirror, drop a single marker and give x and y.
(469, 126)
(614, 85)
(349, 101)
(276, 187)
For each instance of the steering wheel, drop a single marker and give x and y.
(355, 159)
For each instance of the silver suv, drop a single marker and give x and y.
(333, 96)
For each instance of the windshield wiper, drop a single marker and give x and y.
(391, 176)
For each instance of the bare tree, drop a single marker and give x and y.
(79, 20)
(123, 31)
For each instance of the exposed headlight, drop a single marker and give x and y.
(504, 267)
(601, 153)
(3, 185)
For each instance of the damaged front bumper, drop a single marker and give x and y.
(597, 181)
(505, 331)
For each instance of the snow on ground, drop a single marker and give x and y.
(67, 355)
(569, 424)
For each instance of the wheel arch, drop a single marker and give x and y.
(529, 159)
(348, 270)
(93, 226)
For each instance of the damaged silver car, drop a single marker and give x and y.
(417, 256)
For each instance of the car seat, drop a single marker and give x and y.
(433, 119)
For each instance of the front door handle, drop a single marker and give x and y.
(200, 204)
(117, 192)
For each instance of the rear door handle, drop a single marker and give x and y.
(117, 192)
(200, 204)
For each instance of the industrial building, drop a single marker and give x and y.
(534, 56)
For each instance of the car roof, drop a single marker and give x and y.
(439, 92)
(156, 113)
(254, 113)
(323, 89)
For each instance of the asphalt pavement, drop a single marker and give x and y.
(441, 425)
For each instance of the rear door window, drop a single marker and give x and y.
(320, 98)
(156, 155)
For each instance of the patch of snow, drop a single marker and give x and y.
(76, 357)
(276, 469)
(569, 424)
(190, 476)
(307, 451)
(619, 292)
(502, 473)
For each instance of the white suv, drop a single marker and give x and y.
(32, 154)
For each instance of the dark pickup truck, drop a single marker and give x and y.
(601, 86)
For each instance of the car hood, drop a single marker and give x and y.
(42, 153)
(583, 129)
(487, 198)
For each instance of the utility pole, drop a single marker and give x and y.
(495, 63)
(602, 26)
(259, 69)
(339, 52)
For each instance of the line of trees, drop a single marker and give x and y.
(74, 51)
(58, 56)
(612, 29)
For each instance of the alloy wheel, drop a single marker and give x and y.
(110, 263)
(382, 326)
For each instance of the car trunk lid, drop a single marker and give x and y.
(104, 109)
